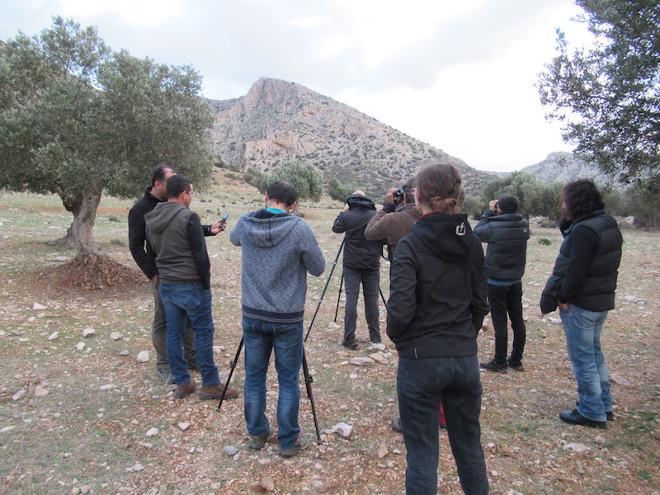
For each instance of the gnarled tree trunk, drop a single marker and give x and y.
(79, 235)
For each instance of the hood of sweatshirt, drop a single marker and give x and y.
(448, 237)
(266, 230)
(359, 201)
(162, 215)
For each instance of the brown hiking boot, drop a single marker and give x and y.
(182, 391)
(215, 392)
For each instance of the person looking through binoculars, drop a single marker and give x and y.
(361, 266)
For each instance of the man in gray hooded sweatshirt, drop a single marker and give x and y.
(279, 249)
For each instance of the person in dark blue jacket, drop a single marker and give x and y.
(506, 233)
(582, 285)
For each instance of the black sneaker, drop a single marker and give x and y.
(494, 366)
(575, 418)
(352, 345)
(515, 365)
(258, 442)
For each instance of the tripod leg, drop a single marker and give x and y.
(232, 366)
(308, 386)
(341, 283)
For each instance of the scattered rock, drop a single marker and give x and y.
(107, 386)
(382, 451)
(40, 391)
(267, 484)
(377, 357)
(361, 361)
(135, 468)
(116, 336)
(53, 335)
(343, 429)
(80, 346)
(88, 332)
(576, 447)
(21, 394)
(6, 429)
(377, 347)
(230, 451)
(143, 357)
(124, 352)
(152, 432)
(38, 307)
(619, 380)
(183, 426)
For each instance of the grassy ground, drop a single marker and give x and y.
(76, 421)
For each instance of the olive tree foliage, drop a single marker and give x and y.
(307, 179)
(78, 119)
(608, 97)
(535, 197)
(339, 191)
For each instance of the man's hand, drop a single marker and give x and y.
(493, 204)
(216, 227)
(562, 306)
(346, 208)
(389, 197)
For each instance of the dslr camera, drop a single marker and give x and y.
(398, 195)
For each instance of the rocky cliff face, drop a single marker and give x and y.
(279, 121)
(565, 167)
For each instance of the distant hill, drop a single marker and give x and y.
(561, 166)
(279, 121)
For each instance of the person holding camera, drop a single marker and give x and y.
(361, 266)
(278, 250)
(438, 290)
(506, 233)
(396, 218)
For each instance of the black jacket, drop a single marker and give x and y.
(507, 236)
(586, 269)
(438, 291)
(359, 253)
(137, 239)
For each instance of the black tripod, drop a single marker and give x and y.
(306, 375)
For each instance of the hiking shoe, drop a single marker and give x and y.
(515, 365)
(301, 444)
(215, 392)
(396, 424)
(257, 442)
(182, 391)
(166, 375)
(352, 345)
(494, 366)
(575, 418)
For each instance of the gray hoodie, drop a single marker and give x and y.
(278, 251)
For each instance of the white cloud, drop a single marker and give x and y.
(138, 13)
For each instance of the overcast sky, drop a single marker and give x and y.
(457, 74)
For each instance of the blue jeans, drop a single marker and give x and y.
(260, 338)
(370, 286)
(503, 300)
(422, 385)
(193, 302)
(582, 329)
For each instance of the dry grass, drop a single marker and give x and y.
(75, 421)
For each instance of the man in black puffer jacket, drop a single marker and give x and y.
(361, 266)
(506, 233)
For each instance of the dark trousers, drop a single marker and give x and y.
(370, 280)
(503, 300)
(159, 335)
(422, 385)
